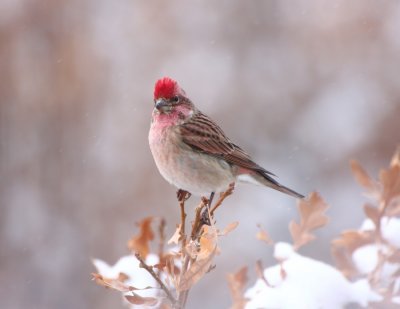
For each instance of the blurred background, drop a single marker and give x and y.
(303, 86)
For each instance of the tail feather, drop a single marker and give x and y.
(267, 180)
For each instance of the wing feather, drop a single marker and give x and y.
(202, 134)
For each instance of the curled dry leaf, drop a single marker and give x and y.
(139, 300)
(141, 242)
(237, 283)
(312, 216)
(208, 242)
(229, 228)
(175, 238)
(115, 284)
(264, 236)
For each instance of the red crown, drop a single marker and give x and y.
(165, 88)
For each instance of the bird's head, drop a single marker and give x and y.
(170, 98)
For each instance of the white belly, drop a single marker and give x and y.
(192, 171)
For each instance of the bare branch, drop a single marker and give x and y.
(150, 270)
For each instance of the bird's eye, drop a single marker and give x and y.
(175, 99)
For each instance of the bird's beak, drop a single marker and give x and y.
(161, 104)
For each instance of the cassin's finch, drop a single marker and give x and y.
(193, 153)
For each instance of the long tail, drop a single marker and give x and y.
(267, 180)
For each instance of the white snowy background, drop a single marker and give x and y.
(303, 87)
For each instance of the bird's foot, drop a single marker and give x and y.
(183, 195)
(205, 215)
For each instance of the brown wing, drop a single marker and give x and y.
(202, 134)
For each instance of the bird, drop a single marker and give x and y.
(193, 153)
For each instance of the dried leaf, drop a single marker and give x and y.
(175, 238)
(264, 236)
(195, 272)
(141, 242)
(192, 249)
(390, 180)
(167, 263)
(139, 300)
(396, 158)
(208, 242)
(351, 240)
(344, 262)
(202, 258)
(395, 258)
(312, 216)
(393, 209)
(229, 228)
(237, 283)
(114, 284)
(364, 179)
(170, 269)
(122, 277)
(342, 249)
(372, 213)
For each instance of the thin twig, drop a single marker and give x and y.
(161, 233)
(150, 270)
(197, 224)
(186, 258)
(222, 197)
(182, 299)
(182, 196)
(182, 234)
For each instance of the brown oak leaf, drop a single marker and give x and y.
(343, 247)
(141, 242)
(372, 213)
(115, 284)
(229, 228)
(264, 236)
(237, 283)
(390, 180)
(312, 216)
(139, 300)
(371, 186)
